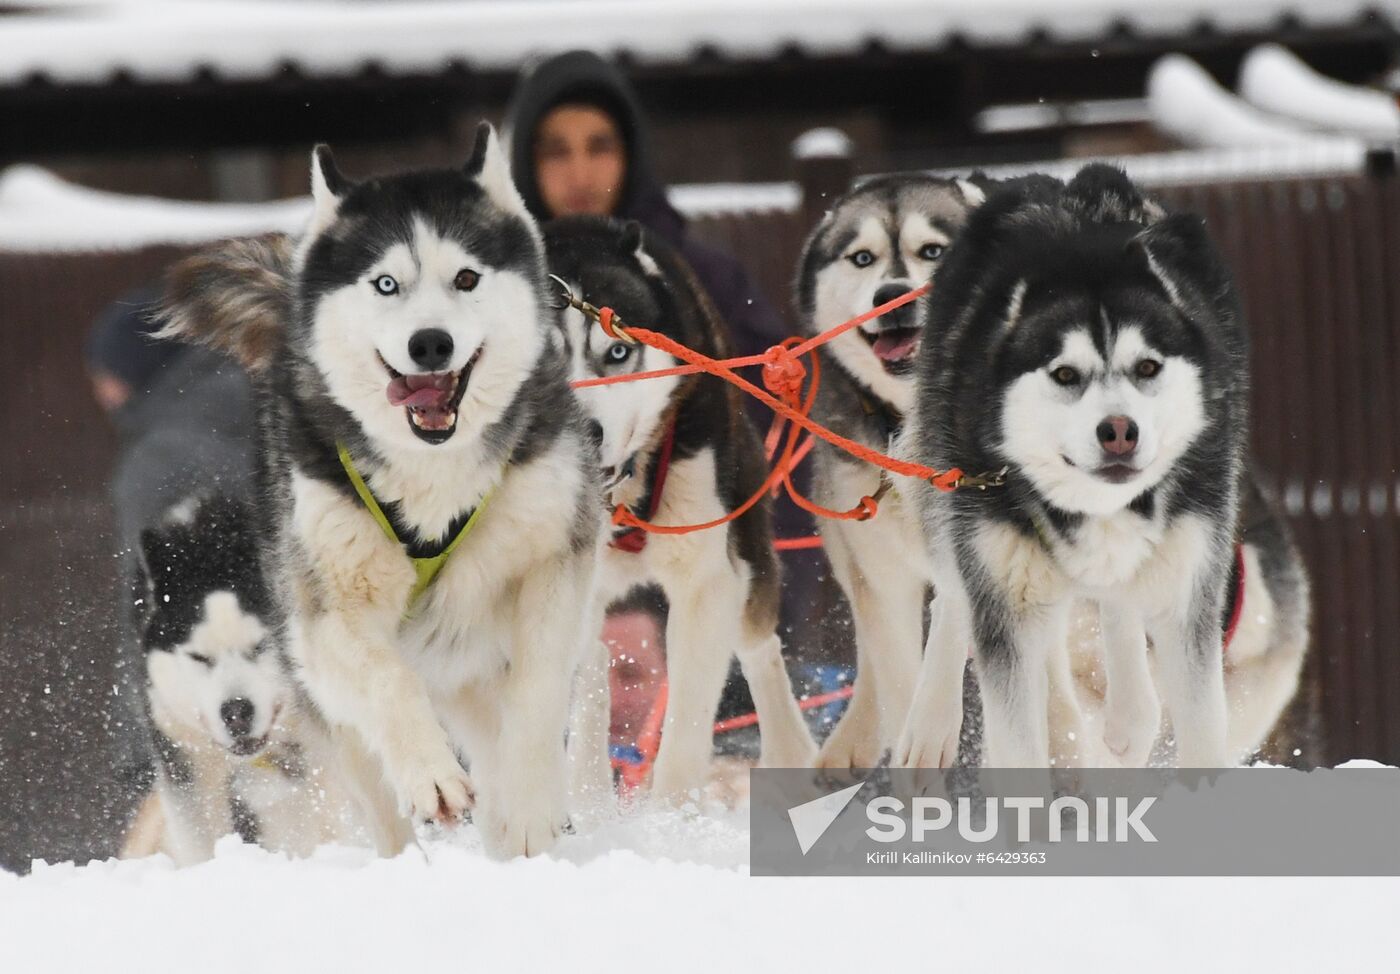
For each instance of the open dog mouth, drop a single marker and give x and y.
(894, 347)
(430, 399)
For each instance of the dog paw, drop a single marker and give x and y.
(788, 754)
(1130, 731)
(857, 747)
(928, 740)
(441, 793)
(508, 833)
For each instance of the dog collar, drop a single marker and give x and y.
(633, 540)
(425, 568)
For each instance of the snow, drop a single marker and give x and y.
(822, 143)
(1314, 158)
(1188, 104)
(41, 213)
(170, 40)
(662, 892)
(1274, 79)
(720, 199)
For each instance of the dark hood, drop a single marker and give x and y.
(586, 77)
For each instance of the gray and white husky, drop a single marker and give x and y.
(1094, 346)
(235, 750)
(429, 487)
(874, 244)
(679, 450)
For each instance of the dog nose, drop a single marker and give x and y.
(1118, 435)
(237, 715)
(430, 348)
(888, 292)
(899, 317)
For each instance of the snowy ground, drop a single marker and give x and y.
(664, 892)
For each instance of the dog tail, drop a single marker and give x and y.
(235, 297)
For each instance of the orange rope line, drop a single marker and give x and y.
(784, 375)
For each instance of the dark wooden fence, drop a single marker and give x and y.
(1317, 260)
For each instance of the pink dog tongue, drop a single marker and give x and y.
(895, 345)
(425, 391)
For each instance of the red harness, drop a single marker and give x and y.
(633, 540)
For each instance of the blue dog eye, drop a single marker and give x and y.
(385, 284)
(618, 352)
(862, 258)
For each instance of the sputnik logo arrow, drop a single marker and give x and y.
(810, 820)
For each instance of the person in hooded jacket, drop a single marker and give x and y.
(579, 145)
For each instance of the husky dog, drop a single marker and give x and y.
(429, 483)
(679, 450)
(235, 753)
(874, 244)
(1094, 347)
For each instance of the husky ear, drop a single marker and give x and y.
(1180, 255)
(328, 187)
(632, 243)
(631, 240)
(489, 167)
(971, 193)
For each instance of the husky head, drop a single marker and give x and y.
(1106, 332)
(874, 244)
(202, 609)
(620, 265)
(419, 295)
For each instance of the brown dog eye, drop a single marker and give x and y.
(1065, 376)
(466, 279)
(1148, 368)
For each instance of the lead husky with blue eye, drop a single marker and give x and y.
(679, 450)
(874, 244)
(429, 486)
(1094, 346)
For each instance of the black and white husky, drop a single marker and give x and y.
(679, 450)
(235, 751)
(430, 486)
(1093, 346)
(874, 244)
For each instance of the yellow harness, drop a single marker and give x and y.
(426, 569)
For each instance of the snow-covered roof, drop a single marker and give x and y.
(1188, 104)
(1275, 80)
(172, 40)
(41, 213)
(1312, 157)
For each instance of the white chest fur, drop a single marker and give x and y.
(1121, 554)
(461, 628)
